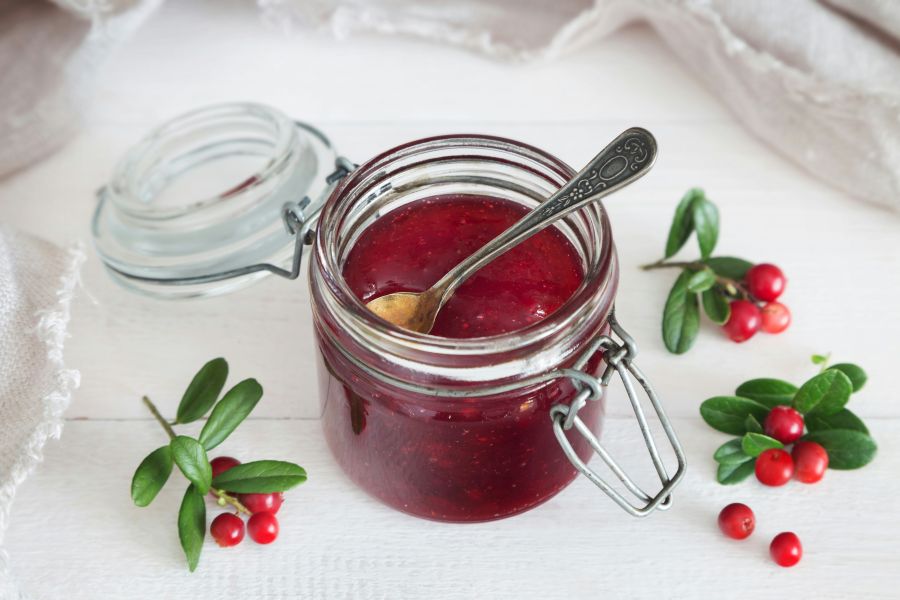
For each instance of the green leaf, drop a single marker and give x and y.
(755, 444)
(706, 223)
(847, 449)
(191, 459)
(203, 391)
(237, 403)
(839, 420)
(752, 425)
(853, 372)
(771, 392)
(681, 316)
(261, 477)
(729, 266)
(151, 475)
(192, 525)
(826, 393)
(731, 453)
(819, 359)
(728, 414)
(701, 280)
(682, 223)
(716, 306)
(731, 473)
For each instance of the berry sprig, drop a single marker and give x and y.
(770, 414)
(254, 489)
(735, 293)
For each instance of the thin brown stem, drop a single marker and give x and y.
(230, 500)
(725, 282)
(155, 412)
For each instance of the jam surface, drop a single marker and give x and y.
(412, 247)
(455, 459)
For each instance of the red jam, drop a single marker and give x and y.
(412, 247)
(455, 459)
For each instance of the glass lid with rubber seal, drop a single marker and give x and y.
(214, 199)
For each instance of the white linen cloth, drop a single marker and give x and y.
(37, 280)
(819, 81)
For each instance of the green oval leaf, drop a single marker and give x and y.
(203, 391)
(192, 525)
(771, 392)
(191, 459)
(151, 475)
(729, 414)
(752, 425)
(682, 222)
(839, 420)
(846, 449)
(681, 316)
(706, 223)
(701, 280)
(819, 359)
(261, 477)
(233, 408)
(854, 373)
(729, 266)
(731, 452)
(755, 444)
(826, 393)
(716, 305)
(731, 473)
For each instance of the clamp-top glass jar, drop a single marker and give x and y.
(448, 429)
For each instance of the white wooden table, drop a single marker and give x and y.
(75, 533)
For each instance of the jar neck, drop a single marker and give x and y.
(452, 165)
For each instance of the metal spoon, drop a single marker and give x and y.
(624, 160)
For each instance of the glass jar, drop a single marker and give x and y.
(448, 429)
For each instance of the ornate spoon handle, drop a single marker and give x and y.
(624, 160)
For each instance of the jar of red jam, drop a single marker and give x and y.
(501, 405)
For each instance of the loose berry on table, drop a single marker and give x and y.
(774, 467)
(737, 521)
(786, 549)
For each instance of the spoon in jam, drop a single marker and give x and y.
(624, 160)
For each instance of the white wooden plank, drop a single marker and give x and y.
(74, 533)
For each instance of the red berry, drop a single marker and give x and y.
(786, 549)
(220, 464)
(744, 321)
(227, 529)
(774, 467)
(262, 502)
(766, 282)
(784, 424)
(737, 521)
(263, 528)
(810, 461)
(775, 317)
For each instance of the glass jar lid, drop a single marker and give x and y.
(214, 199)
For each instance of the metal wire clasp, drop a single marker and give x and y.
(619, 359)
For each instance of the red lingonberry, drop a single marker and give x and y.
(774, 467)
(744, 321)
(765, 281)
(786, 549)
(784, 424)
(220, 464)
(262, 502)
(263, 527)
(737, 521)
(775, 317)
(227, 529)
(810, 461)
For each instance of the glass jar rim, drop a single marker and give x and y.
(574, 310)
